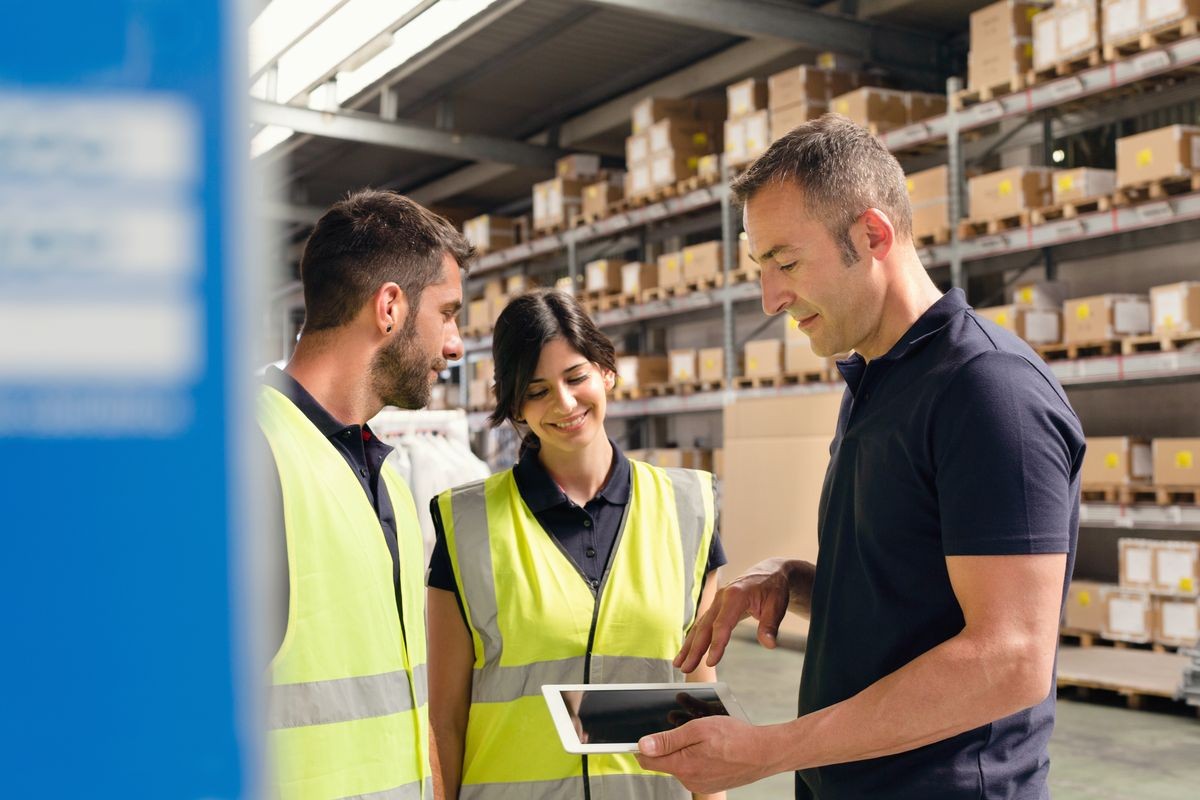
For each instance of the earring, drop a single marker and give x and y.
(389, 329)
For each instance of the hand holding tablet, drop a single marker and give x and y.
(612, 717)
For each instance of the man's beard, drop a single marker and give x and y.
(400, 372)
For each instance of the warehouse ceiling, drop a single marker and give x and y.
(561, 75)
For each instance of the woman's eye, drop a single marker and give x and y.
(535, 395)
(577, 379)
(787, 267)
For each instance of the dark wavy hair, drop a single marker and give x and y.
(524, 327)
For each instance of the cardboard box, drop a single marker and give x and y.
(701, 261)
(479, 314)
(1155, 155)
(929, 196)
(1036, 326)
(597, 197)
(1136, 563)
(799, 358)
(1002, 20)
(682, 366)
(578, 166)
(518, 284)
(489, 232)
(1078, 28)
(709, 166)
(1009, 192)
(1176, 621)
(1157, 14)
(746, 97)
(786, 119)
(1175, 308)
(670, 269)
(651, 109)
(602, 275)
(747, 138)
(493, 288)
(484, 370)
(880, 109)
(1127, 616)
(1116, 461)
(669, 168)
(637, 149)
(764, 358)
(922, 105)
(637, 180)
(1176, 568)
(636, 277)
(635, 371)
(1040, 294)
(682, 137)
(1104, 317)
(809, 85)
(1083, 183)
(479, 394)
(1084, 609)
(776, 448)
(1176, 461)
(996, 68)
(711, 364)
(1045, 40)
(1122, 20)
(554, 201)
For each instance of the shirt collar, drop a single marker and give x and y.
(936, 317)
(329, 425)
(541, 493)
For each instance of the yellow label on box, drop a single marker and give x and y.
(1112, 461)
(680, 374)
(1169, 321)
(1145, 157)
(752, 365)
(728, 145)
(689, 257)
(909, 184)
(709, 363)
(593, 192)
(752, 144)
(1026, 295)
(634, 289)
(1002, 319)
(1085, 598)
(842, 107)
(1030, 13)
(563, 169)
(1184, 459)
(1005, 187)
(1066, 182)
(1186, 584)
(700, 138)
(1029, 49)
(1083, 311)
(693, 162)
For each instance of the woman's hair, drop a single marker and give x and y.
(523, 329)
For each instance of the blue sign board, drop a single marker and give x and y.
(121, 144)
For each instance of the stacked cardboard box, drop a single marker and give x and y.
(1034, 325)
(1160, 582)
(1066, 32)
(1048, 295)
(1084, 609)
(747, 129)
(798, 355)
(1105, 317)
(670, 270)
(602, 276)
(682, 368)
(802, 93)
(881, 110)
(929, 196)
(490, 232)
(1176, 462)
(1082, 184)
(638, 371)
(676, 147)
(1009, 192)
(599, 194)
(701, 262)
(1175, 308)
(1116, 461)
(1126, 20)
(479, 388)
(669, 137)
(710, 364)
(764, 358)
(923, 105)
(1157, 155)
(637, 276)
(1001, 45)
(554, 201)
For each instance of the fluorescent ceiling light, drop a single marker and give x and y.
(269, 137)
(436, 22)
(338, 39)
(283, 23)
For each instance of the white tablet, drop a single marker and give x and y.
(611, 717)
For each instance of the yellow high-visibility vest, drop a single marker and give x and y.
(347, 710)
(535, 619)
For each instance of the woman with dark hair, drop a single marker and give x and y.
(575, 566)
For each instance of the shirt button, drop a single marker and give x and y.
(591, 552)
(363, 472)
(595, 584)
(587, 523)
(345, 434)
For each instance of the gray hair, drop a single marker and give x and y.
(842, 171)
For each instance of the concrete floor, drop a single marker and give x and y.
(1099, 752)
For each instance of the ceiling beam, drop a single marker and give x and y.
(370, 129)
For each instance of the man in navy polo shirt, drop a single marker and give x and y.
(947, 523)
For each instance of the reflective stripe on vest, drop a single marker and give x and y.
(348, 701)
(514, 578)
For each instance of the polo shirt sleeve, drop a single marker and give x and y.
(441, 572)
(716, 552)
(1005, 447)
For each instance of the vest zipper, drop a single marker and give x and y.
(587, 671)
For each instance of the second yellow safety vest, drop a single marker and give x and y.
(535, 619)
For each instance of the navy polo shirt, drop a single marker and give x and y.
(586, 533)
(957, 442)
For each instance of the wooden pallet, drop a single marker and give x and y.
(696, 182)
(618, 300)
(1149, 40)
(1070, 210)
(1177, 495)
(1059, 352)
(1125, 494)
(940, 236)
(663, 292)
(1156, 190)
(1135, 675)
(970, 228)
(1092, 58)
(783, 379)
(629, 393)
(972, 97)
(744, 275)
(580, 219)
(1160, 344)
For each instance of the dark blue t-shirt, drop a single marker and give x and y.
(957, 442)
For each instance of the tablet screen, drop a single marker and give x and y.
(623, 716)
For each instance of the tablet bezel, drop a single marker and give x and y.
(552, 692)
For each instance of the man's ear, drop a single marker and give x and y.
(881, 235)
(390, 308)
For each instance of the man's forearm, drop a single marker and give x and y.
(957, 686)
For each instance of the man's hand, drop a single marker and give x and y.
(710, 755)
(764, 592)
